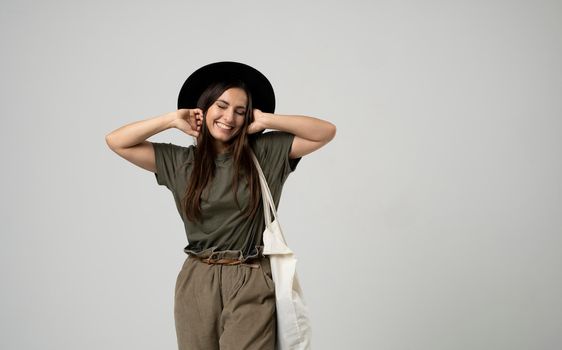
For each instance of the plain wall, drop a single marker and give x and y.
(431, 222)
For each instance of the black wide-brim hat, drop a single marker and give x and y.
(263, 96)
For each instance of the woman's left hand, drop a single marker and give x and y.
(258, 124)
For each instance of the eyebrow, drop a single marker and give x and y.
(229, 103)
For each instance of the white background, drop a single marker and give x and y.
(432, 221)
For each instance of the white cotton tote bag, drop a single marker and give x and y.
(293, 320)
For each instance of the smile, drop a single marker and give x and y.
(223, 126)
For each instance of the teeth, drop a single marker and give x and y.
(224, 126)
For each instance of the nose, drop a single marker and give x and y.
(229, 115)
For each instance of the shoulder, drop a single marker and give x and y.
(272, 150)
(171, 152)
(271, 140)
(169, 159)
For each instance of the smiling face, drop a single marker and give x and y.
(225, 117)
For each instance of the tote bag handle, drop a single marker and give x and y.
(267, 198)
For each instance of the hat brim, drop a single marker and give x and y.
(263, 96)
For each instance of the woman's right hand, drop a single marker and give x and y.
(189, 121)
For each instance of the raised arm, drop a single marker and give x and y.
(129, 141)
(310, 133)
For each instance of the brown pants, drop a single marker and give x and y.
(226, 307)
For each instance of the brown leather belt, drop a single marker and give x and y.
(227, 261)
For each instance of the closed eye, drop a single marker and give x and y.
(221, 106)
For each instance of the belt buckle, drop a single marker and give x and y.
(210, 260)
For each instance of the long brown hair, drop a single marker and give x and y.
(205, 153)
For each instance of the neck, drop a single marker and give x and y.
(222, 149)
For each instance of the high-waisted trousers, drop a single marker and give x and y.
(226, 307)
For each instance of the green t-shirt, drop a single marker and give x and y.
(223, 231)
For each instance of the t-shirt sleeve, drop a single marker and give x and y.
(274, 147)
(168, 158)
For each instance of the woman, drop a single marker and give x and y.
(224, 294)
